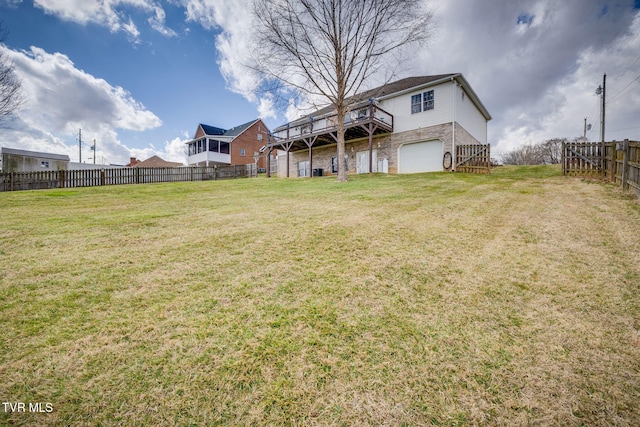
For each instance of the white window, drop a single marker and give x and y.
(242, 152)
(334, 163)
(303, 168)
(422, 102)
(44, 164)
(428, 100)
(416, 103)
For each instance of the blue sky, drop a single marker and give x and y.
(139, 75)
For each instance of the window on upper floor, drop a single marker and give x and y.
(242, 152)
(422, 102)
(416, 103)
(428, 100)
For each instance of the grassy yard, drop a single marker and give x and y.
(435, 299)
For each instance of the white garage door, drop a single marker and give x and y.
(421, 157)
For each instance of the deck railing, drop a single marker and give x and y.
(325, 124)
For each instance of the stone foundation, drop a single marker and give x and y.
(386, 147)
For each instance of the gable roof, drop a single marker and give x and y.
(397, 88)
(237, 130)
(229, 134)
(26, 153)
(401, 86)
(211, 130)
(157, 162)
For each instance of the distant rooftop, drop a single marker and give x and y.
(39, 154)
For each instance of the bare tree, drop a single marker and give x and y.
(551, 151)
(11, 97)
(529, 154)
(548, 152)
(327, 49)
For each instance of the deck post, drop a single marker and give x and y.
(310, 162)
(370, 132)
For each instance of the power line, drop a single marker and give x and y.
(624, 71)
(617, 93)
(620, 130)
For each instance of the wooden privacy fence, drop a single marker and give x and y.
(13, 181)
(473, 158)
(581, 158)
(617, 162)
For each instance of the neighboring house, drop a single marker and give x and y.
(411, 125)
(156, 162)
(132, 162)
(240, 145)
(14, 160)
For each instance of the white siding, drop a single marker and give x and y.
(400, 107)
(209, 156)
(469, 117)
(466, 112)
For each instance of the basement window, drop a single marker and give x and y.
(303, 168)
(334, 163)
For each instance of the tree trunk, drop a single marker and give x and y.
(342, 172)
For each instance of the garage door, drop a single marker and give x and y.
(421, 157)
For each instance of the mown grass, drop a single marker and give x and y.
(436, 299)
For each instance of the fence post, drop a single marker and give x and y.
(625, 164)
(613, 164)
(11, 178)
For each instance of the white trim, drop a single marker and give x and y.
(453, 124)
(459, 77)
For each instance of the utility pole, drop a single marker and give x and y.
(602, 91)
(79, 145)
(94, 150)
(604, 96)
(584, 135)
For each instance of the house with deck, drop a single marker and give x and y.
(240, 145)
(407, 126)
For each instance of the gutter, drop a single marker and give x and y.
(453, 126)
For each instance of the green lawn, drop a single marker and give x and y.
(434, 299)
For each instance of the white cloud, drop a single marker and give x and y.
(233, 21)
(157, 22)
(62, 99)
(266, 108)
(535, 64)
(10, 3)
(108, 13)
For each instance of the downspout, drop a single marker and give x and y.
(453, 127)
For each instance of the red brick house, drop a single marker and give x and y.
(240, 145)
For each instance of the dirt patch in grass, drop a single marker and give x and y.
(445, 299)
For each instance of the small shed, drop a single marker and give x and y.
(14, 160)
